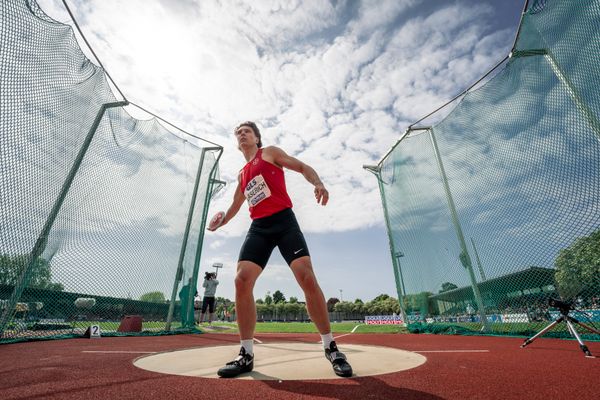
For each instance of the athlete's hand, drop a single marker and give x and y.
(216, 221)
(321, 194)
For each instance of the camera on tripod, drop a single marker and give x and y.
(563, 306)
(209, 275)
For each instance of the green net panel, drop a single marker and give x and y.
(101, 215)
(496, 209)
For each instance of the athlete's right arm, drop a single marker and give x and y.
(238, 200)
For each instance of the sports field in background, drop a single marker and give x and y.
(307, 327)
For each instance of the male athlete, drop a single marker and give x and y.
(261, 183)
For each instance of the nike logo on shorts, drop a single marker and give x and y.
(298, 251)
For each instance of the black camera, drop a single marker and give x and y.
(561, 305)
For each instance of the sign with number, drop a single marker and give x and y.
(94, 331)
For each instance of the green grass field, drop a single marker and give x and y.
(261, 327)
(112, 326)
(305, 327)
(514, 329)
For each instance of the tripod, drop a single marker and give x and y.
(565, 308)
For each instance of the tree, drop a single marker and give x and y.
(374, 307)
(153, 297)
(268, 299)
(447, 286)
(280, 311)
(222, 305)
(278, 297)
(381, 297)
(262, 310)
(40, 276)
(578, 267)
(390, 306)
(223, 300)
(358, 306)
(260, 301)
(296, 310)
(331, 303)
(293, 300)
(380, 305)
(343, 307)
(420, 303)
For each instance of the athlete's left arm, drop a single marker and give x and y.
(282, 159)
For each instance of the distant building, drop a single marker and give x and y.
(527, 287)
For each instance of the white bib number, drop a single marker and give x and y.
(257, 190)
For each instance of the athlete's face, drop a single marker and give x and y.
(246, 137)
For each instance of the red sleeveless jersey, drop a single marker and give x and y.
(263, 185)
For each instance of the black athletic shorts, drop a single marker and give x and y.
(208, 302)
(278, 230)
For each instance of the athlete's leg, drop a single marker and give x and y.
(245, 308)
(315, 300)
(317, 309)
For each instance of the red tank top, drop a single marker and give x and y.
(263, 184)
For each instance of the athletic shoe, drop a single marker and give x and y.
(338, 361)
(244, 362)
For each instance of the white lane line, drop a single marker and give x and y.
(118, 352)
(351, 332)
(337, 337)
(450, 351)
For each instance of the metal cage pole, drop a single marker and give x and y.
(375, 170)
(209, 185)
(479, 265)
(465, 258)
(399, 255)
(564, 79)
(42, 240)
(188, 224)
(581, 105)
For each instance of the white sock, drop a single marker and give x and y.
(248, 346)
(327, 339)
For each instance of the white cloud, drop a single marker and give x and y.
(216, 244)
(325, 99)
(333, 83)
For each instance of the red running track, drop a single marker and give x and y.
(546, 369)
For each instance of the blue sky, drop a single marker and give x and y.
(332, 83)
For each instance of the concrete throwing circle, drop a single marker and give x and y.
(281, 361)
